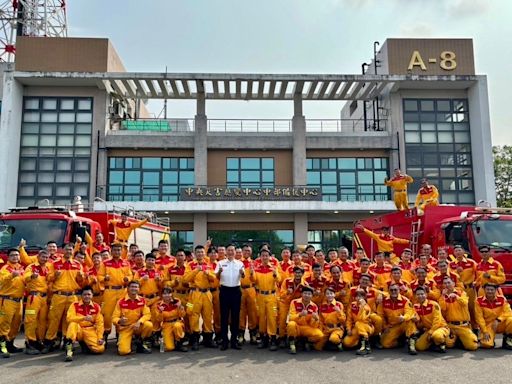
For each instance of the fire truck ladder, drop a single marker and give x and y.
(415, 235)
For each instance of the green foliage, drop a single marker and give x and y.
(503, 175)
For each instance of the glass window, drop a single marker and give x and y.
(267, 163)
(132, 177)
(365, 177)
(66, 117)
(347, 178)
(85, 104)
(186, 178)
(249, 163)
(267, 176)
(170, 177)
(65, 141)
(250, 176)
(329, 178)
(151, 163)
(313, 178)
(67, 104)
(29, 140)
(232, 163)
(64, 164)
(31, 103)
(83, 141)
(347, 163)
(116, 177)
(410, 105)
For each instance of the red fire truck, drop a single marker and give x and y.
(39, 225)
(446, 226)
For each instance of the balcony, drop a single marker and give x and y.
(255, 125)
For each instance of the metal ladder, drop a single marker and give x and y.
(415, 234)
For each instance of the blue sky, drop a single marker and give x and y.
(293, 36)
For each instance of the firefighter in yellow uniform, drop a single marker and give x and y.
(398, 184)
(36, 309)
(291, 289)
(93, 279)
(266, 278)
(175, 281)
(385, 241)
(454, 307)
(200, 277)
(332, 318)
(132, 317)
(494, 316)
(12, 287)
(304, 321)
(430, 323)
(248, 310)
(66, 277)
(359, 324)
(169, 320)
(85, 325)
(151, 283)
(488, 270)
(215, 290)
(428, 196)
(398, 316)
(124, 228)
(114, 274)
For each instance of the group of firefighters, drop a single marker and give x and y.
(308, 299)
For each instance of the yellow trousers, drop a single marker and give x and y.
(267, 314)
(377, 323)
(312, 334)
(36, 313)
(200, 305)
(216, 310)
(504, 326)
(57, 315)
(466, 336)
(126, 333)
(283, 317)
(438, 337)
(401, 200)
(334, 336)
(248, 312)
(10, 317)
(110, 299)
(389, 338)
(183, 297)
(172, 332)
(86, 334)
(360, 329)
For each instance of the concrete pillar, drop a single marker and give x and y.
(300, 228)
(481, 148)
(200, 228)
(10, 134)
(201, 142)
(299, 142)
(99, 160)
(396, 128)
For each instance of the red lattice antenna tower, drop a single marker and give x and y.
(29, 18)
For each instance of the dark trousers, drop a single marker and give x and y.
(230, 299)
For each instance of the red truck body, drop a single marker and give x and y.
(40, 225)
(445, 226)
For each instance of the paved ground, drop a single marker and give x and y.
(251, 365)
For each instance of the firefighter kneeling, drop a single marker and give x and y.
(332, 316)
(493, 315)
(85, 325)
(304, 321)
(169, 315)
(132, 316)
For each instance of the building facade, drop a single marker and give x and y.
(73, 122)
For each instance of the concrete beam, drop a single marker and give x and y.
(300, 228)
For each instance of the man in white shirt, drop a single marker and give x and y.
(229, 271)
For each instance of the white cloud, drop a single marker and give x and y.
(419, 29)
(468, 8)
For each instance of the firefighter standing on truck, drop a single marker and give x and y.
(399, 183)
(427, 196)
(385, 241)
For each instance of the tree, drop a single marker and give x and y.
(503, 175)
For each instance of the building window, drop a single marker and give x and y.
(182, 239)
(278, 239)
(55, 151)
(326, 239)
(250, 172)
(349, 178)
(438, 146)
(149, 178)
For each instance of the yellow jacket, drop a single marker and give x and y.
(123, 231)
(135, 311)
(493, 268)
(78, 311)
(391, 310)
(40, 283)
(468, 273)
(399, 183)
(455, 309)
(9, 285)
(201, 279)
(486, 311)
(426, 193)
(385, 242)
(296, 308)
(117, 271)
(356, 313)
(174, 278)
(168, 312)
(429, 315)
(330, 318)
(66, 276)
(152, 285)
(264, 279)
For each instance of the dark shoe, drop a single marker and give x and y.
(263, 342)
(194, 340)
(180, 347)
(145, 346)
(84, 348)
(207, 340)
(11, 348)
(223, 347)
(273, 343)
(282, 342)
(363, 350)
(69, 351)
(411, 346)
(507, 342)
(236, 346)
(3, 349)
(253, 337)
(46, 347)
(240, 340)
(31, 348)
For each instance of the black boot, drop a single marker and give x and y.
(194, 340)
(217, 340)
(68, 347)
(145, 346)
(411, 345)
(12, 348)
(273, 343)
(31, 348)
(253, 336)
(105, 338)
(507, 342)
(207, 340)
(264, 342)
(180, 347)
(47, 345)
(3, 348)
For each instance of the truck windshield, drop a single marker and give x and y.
(496, 233)
(36, 232)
